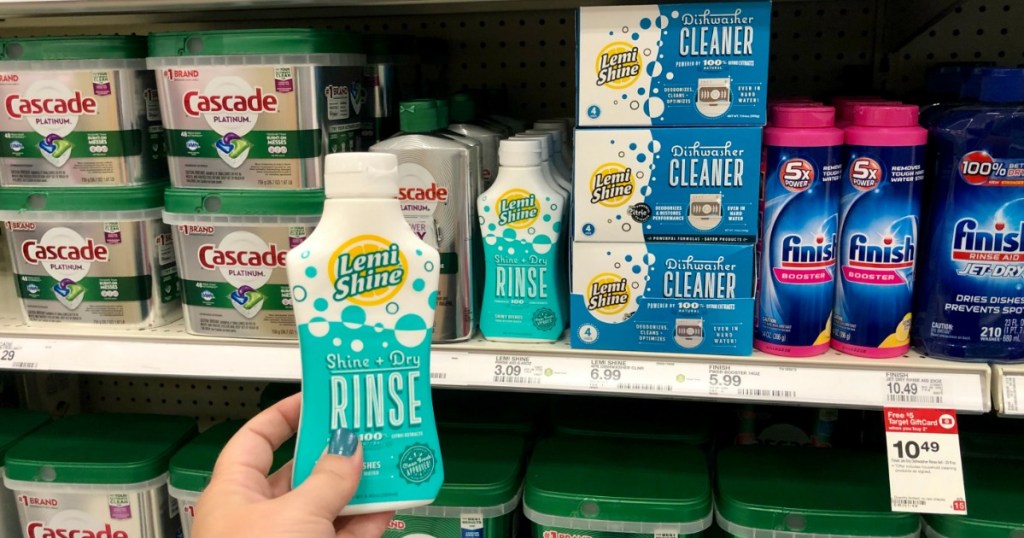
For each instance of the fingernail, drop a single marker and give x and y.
(343, 442)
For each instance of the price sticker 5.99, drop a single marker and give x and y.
(925, 470)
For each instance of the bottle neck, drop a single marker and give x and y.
(519, 173)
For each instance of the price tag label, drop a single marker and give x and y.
(1011, 394)
(925, 470)
(650, 377)
(751, 382)
(521, 370)
(16, 355)
(903, 388)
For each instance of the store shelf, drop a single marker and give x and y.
(832, 379)
(1008, 389)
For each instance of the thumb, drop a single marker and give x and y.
(334, 479)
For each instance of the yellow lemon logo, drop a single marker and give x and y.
(608, 293)
(611, 185)
(618, 66)
(517, 209)
(368, 270)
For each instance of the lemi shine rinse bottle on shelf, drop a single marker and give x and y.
(364, 287)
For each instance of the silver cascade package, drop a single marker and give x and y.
(96, 256)
(436, 185)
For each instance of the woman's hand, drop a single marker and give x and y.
(242, 501)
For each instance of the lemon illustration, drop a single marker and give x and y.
(902, 335)
(826, 334)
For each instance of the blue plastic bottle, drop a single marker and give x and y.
(969, 303)
(799, 227)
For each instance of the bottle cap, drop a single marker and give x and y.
(519, 152)
(462, 108)
(548, 125)
(876, 115)
(419, 116)
(846, 111)
(443, 117)
(1001, 85)
(361, 175)
(556, 141)
(804, 117)
(545, 140)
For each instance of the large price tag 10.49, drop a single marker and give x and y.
(925, 470)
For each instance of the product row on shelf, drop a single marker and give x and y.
(530, 465)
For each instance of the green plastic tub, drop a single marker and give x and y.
(798, 492)
(611, 487)
(483, 477)
(994, 500)
(633, 418)
(98, 474)
(14, 424)
(192, 466)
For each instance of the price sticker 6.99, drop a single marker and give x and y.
(925, 471)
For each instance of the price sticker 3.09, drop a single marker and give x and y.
(925, 469)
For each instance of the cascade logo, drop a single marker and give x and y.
(368, 270)
(77, 104)
(211, 257)
(997, 244)
(806, 263)
(35, 251)
(978, 167)
(608, 293)
(197, 103)
(433, 193)
(611, 185)
(618, 66)
(181, 74)
(517, 209)
(20, 226)
(38, 529)
(796, 175)
(865, 174)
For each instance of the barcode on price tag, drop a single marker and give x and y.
(925, 471)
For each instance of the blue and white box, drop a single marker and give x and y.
(663, 297)
(670, 184)
(701, 64)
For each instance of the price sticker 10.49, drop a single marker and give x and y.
(925, 471)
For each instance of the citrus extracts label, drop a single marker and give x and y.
(116, 273)
(234, 281)
(79, 128)
(260, 127)
(97, 514)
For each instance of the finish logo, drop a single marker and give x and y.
(611, 185)
(618, 66)
(608, 294)
(808, 263)
(368, 270)
(517, 209)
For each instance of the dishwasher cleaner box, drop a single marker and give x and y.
(691, 185)
(701, 64)
(663, 297)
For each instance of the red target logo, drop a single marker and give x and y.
(865, 173)
(796, 175)
(976, 167)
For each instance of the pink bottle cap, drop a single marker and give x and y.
(803, 116)
(845, 111)
(877, 115)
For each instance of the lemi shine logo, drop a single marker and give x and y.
(517, 209)
(611, 185)
(608, 294)
(618, 65)
(368, 270)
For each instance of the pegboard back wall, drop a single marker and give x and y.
(817, 47)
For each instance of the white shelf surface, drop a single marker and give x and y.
(832, 379)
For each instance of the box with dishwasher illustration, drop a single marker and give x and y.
(663, 297)
(700, 64)
(692, 185)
